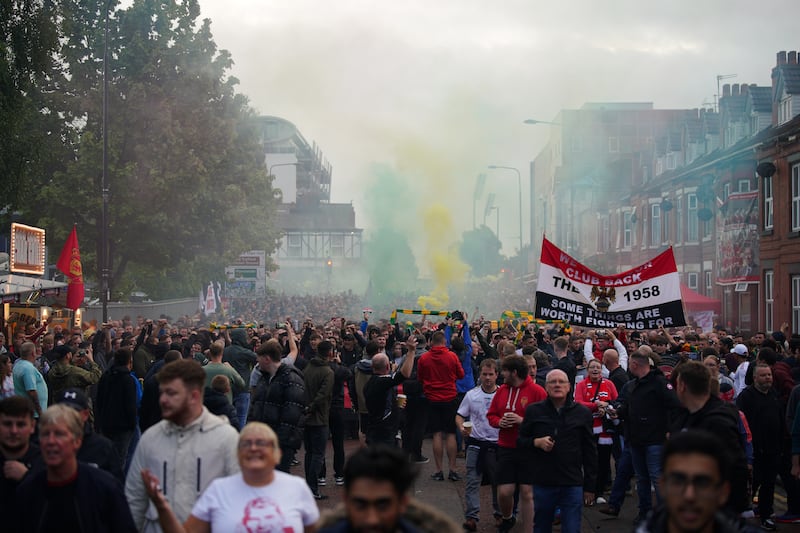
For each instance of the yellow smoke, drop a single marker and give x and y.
(441, 256)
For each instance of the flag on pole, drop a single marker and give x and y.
(211, 299)
(69, 262)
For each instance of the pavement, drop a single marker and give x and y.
(448, 496)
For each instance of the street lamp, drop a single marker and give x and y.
(519, 183)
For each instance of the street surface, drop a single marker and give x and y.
(448, 496)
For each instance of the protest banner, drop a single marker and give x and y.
(645, 297)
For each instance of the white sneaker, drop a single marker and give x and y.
(600, 501)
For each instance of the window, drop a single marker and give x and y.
(796, 198)
(576, 144)
(337, 245)
(603, 237)
(613, 144)
(726, 191)
(785, 110)
(627, 230)
(665, 222)
(744, 185)
(692, 226)
(691, 280)
(672, 159)
(678, 219)
(795, 303)
(655, 224)
(768, 203)
(294, 245)
(709, 287)
(769, 299)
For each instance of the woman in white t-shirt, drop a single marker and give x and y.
(259, 498)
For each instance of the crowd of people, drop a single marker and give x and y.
(197, 427)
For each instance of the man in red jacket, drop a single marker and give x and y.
(506, 412)
(438, 370)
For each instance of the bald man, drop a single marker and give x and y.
(558, 432)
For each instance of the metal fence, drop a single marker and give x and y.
(117, 310)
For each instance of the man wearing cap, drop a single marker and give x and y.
(742, 354)
(95, 449)
(66, 374)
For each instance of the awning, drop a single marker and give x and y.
(16, 284)
(694, 301)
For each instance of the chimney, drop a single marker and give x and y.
(726, 90)
(745, 89)
(735, 90)
(781, 58)
(792, 59)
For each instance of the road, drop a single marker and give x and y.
(448, 496)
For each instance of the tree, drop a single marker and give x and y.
(34, 138)
(480, 249)
(188, 187)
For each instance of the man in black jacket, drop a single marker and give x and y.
(68, 495)
(280, 400)
(242, 359)
(701, 410)
(764, 412)
(564, 456)
(116, 410)
(646, 414)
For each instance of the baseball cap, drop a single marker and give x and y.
(740, 349)
(62, 351)
(75, 398)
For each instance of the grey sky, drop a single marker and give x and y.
(439, 89)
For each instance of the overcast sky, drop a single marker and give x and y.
(437, 90)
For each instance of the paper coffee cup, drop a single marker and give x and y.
(467, 425)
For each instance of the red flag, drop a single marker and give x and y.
(69, 262)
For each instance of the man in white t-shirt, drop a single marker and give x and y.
(742, 355)
(481, 441)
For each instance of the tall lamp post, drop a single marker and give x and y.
(104, 247)
(533, 122)
(519, 183)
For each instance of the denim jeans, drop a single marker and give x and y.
(315, 441)
(622, 479)
(472, 491)
(546, 499)
(241, 402)
(647, 465)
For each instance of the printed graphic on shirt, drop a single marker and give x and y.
(262, 515)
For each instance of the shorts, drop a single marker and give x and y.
(513, 466)
(442, 416)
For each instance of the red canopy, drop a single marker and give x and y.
(694, 301)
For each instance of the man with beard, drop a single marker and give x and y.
(17, 454)
(189, 447)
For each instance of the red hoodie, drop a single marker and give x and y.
(438, 370)
(514, 399)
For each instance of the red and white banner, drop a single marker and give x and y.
(645, 297)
